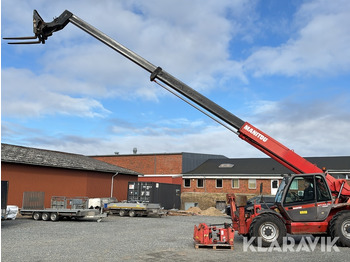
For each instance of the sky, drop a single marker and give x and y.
(283, 66)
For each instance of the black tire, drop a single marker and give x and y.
(122, 213)
(132, 213)
(45, 216)
(54, 217)
(340, 227)
(269, 228)
(37, 216)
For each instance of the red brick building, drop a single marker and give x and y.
(161, 168)
(60, 174)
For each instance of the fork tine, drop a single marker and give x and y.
(24, 43)
(20, 38)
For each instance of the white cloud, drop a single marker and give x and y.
(320, 46)
(27, 95)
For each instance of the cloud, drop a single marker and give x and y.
(311, 129)
(28, 95)
(320, 46)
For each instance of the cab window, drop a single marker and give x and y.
(322, 192)
(301, 190)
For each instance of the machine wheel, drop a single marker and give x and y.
(132, 213)
(45, 216)
(340, 227)
(54, 217)
(37, 216)
(122, 213)
(268, 228)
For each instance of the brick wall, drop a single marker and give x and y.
(209, 195)
(147, 164)
(210, 186)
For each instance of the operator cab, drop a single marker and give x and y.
(304, 197)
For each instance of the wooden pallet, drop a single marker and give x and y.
(214, 246)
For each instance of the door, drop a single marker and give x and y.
(323, 197)
(274, 187)
(300, 199)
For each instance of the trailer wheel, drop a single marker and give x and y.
(122, 213)
(45, 216)
(132, 213)
(268, 228)
(54, 217)
(37, 216)
(340, 227)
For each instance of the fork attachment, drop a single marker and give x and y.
(43, 30)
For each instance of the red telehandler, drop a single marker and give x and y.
(308, 202)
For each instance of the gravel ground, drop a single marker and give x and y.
(132, 239)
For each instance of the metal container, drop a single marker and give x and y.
(167, 195)
(4, 195)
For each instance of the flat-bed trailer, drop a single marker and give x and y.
(135, 209)
(61, 208)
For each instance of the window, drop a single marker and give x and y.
(224, 165)
(301, 190)
(200, 183)
(187, 182)
(235, 183)
(322, 191)
(252, 183)
(294, 185)
(219, 183)
(274, 184)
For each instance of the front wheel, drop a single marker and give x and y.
(267, 228)
(340, 227)
(37, 216)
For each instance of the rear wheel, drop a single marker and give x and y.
(122, 213)
(268, 228)
(132, 213)
(54, 217)
(340, 227)
(45, 216)
(37, 216)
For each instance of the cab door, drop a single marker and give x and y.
(323, 197)
(299, 202)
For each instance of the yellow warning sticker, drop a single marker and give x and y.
(303, 212)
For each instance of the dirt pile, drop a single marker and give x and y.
(212, 211)
(194, 210)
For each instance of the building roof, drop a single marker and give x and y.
(262, 166)
(49, 158)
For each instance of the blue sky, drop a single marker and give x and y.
(283, 66)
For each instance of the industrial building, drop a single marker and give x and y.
(60, 174)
